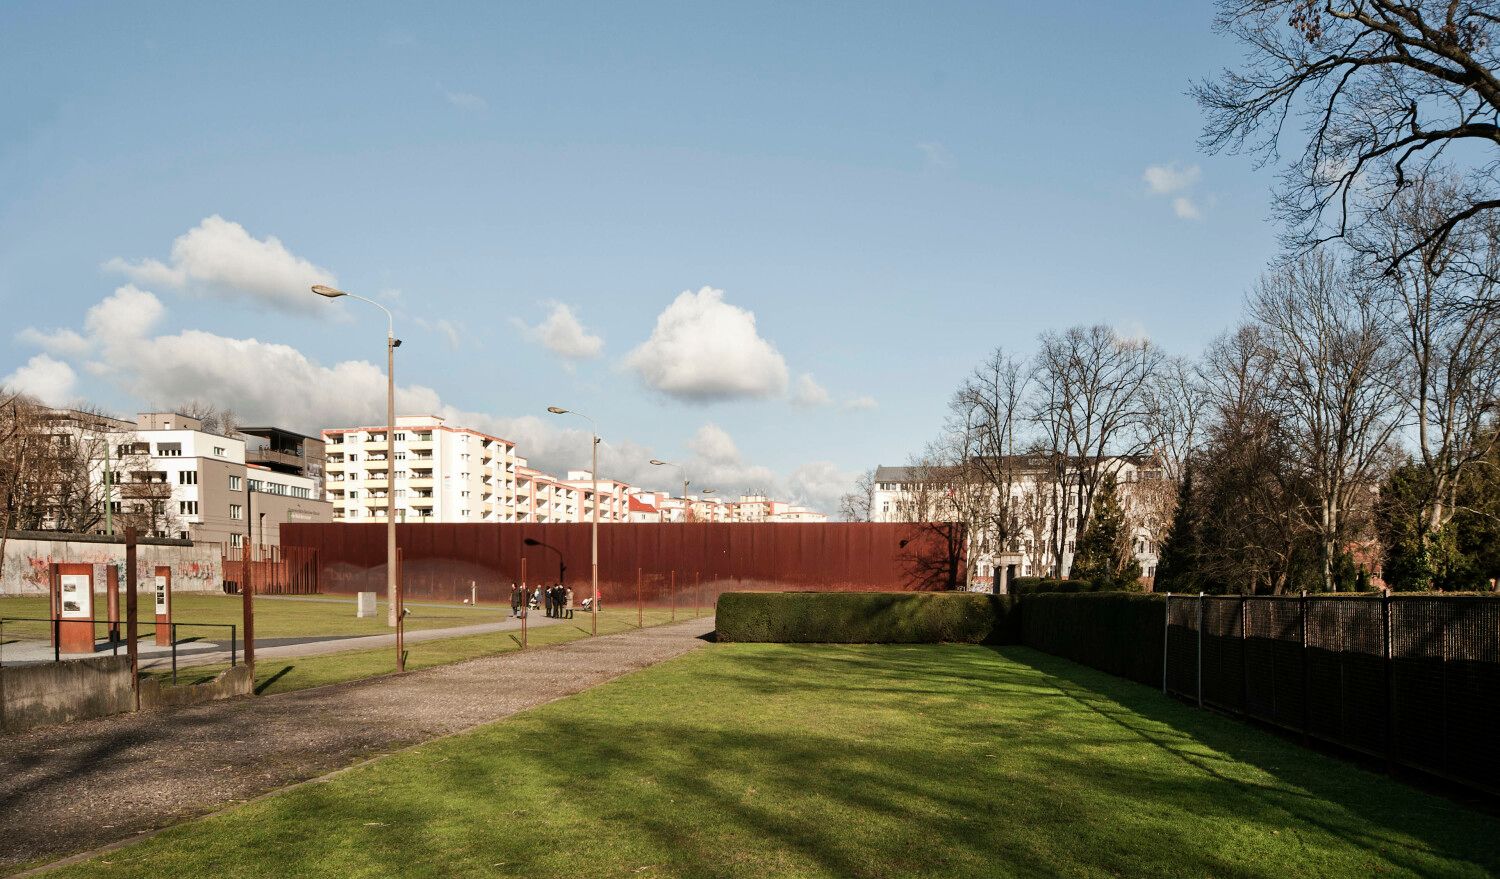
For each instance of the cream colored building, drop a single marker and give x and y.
(439, 473)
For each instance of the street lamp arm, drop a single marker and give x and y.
(390, 322)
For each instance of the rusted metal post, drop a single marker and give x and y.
(525, 603)
(672, 590)
(400, 610)
(130, 625)
(247, 605)
(640, 618)
(697, 595)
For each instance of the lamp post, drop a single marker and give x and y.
(685, 483)
(594, 474)
(391, 344)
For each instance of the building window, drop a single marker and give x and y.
(354, 495)
(234, 483)
(218, 451)
(354, 456)
(187, 477)
(400, 436)
(187, 508)
(236, 511)
(400, 456)
(236, 540)
(169, 450)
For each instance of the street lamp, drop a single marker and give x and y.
(685, 483)
(594, 473)
(391, 344)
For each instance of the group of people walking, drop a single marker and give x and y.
(556, 600)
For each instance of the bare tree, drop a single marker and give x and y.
(214, 419)
(1094, 395)
(1386, 89)
(1452, 389)
(991, 404)
(1329, 368)
(857, 505)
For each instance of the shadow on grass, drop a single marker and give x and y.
(280, 673)
(752, 760)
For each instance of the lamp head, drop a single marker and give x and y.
(532, 541)
(330, 292)
(658, 463)
(557, 410)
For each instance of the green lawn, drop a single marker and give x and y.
(283, 675)
(838, 761)
(274, 617)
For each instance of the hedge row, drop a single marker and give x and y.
(867, 617)
(1117, 632)
(1033, 585)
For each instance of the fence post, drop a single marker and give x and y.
(672, 588)
(1244, 655)
(1390, 686)
(232, 633)
(640, 620)
(1166, 634)
(172, 633)
(1200, 649)
(1306, 667)
(132, 648)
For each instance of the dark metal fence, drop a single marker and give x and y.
(51, 627)
(1411, 679)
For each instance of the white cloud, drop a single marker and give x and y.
(466, 100)
(219, 259)
(51, 381)
(935, 155)
(703, 349)
(1185, 208)
(820, 485)
(808, 393)
(64, 342)
(450, 331)
(1170, 178)
(860, 404)
(714, 444)
(563, 335)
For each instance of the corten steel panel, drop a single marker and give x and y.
(441, 560)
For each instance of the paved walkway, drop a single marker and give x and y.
(77, 787)
(212, 652)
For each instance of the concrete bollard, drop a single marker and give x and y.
(366, 605)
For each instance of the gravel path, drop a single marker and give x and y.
(74, 788)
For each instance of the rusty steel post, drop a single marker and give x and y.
(525, 603)
(247, 605)
(697, 595)
(130, 624)
(400, 611)
(672, 590)
(640, 619)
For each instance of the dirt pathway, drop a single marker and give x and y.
(74, 788)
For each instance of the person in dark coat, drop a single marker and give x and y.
(547, 601)
(515, 600)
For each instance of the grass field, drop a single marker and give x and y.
(284, 675)
(838, 761)
(274, 617)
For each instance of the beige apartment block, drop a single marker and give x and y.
(437, 473)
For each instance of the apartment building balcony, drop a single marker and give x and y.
(420, 442)
(425, 503)
(420, 481)
(373, 445)
(377, 482)
(332, 466)
(377, 464)
(276, 457)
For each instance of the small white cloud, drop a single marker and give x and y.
(64, 342)
(808, 393)
(1185, 208)
(466, 100)
(1170, 178)
(51, 381)
(563, 335)
(860, 404)
(449, 330)
(714, 444)
(935, 155)
(219, 259)
(124, 316)
(703, 349)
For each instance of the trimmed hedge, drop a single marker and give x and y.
(1033, 585)
(1117, 632)
(867, 617)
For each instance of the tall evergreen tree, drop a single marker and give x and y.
(1104, 555)
(1176, 570)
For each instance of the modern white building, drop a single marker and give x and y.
(898, 496)
(439, 473)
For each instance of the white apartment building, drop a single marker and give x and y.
(614, 497)
(897, 496)
(543, 498)
(439, 473)
(215, 496)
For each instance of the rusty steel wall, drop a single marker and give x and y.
(707, 558)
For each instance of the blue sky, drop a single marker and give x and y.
(890, 190)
